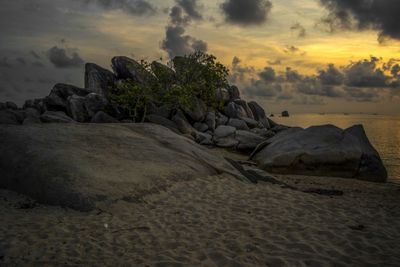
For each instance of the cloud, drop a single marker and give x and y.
(246, 12)
(133, 7)
(239, 73)
(331, 76)
(268, 74)
(301, 31)
(380, 15)
(192, 8)
(176, 42)
(60, 59)
(365, 73)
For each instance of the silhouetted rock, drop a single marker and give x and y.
(98, 80)
(252, 123)
(8, 117)
(127, 68)
(233, 110)
(3, 106)
(11, 105)
(76, 108)
(245, 106)
(32, 116)
(285, 113)
(165, 75)
(323, 151)
(259, 114)
(95, 103)
(234, 93)
(223, 95)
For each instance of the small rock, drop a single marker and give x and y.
(201, 127)
(238, 124)
(221, 120)
(285, 113)
(224, 131)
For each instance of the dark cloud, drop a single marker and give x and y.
(133, 7)
(365, 73)
(268, 74)
(331, 76)
(299, 29)
(380, 15)
(192, 8)
(246, 12)
(60, 58)
(263, 89)
(176, 42)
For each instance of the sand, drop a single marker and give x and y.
(212, 221)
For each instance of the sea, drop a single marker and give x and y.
(383, 132)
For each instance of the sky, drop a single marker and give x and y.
(305, 56)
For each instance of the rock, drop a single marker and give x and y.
(163, 122)
(371, 167)
(323, 151)
(37, 104)
(201, 127)
(285, 113)
(259, 114)
(11, 105)
(248, 141)
(279, 128)
(102, 117)
(198, 110)
(245, 106)
(210, 121)
(224, 131)
(264, 132)
(57, 99)
(238, 124)
(252, 123)
(94, 103)
(234, 93)
(233, 110)
(226, 142)
(223, 95)
(3, 106)
(98, 80)
(221, 120)
(82, 166)
(55, 117)
(32, 116)
(127, 68)
(76, 108)
(165, 75)
(182, 124)
(8, 117)
(204, 139)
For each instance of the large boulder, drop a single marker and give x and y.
(233, 110)
(11, 105)
(210, 121)
(323, 151)
(83, 166)
(165, 75)
(259, 114)
(55, 117)
(248, 141)
(245, 106)
(98, 80)
(224, 131)
(223, 96)
(197, 111)
(233, 92)
(182, 124)
(76, 108)
(58, 97)
(127, 68)
(94, 103)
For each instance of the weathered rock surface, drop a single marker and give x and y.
(224, 131)
(238, 124)
(94, 103)
(259, 114)
(79, 165)
(55, 117)
(127, 68)
(233, 110)
(76, 108)
(11, 105)
(198, 110)
(98, 80)
(323, 151)
(163, 122)
(245, 106)
(8, 117)
(201, 127)
(248, 141)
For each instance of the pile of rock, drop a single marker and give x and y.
(238, 124)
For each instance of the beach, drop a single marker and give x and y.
(212, 221)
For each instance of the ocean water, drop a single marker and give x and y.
(383, 132)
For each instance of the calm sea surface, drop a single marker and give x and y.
(383, 132)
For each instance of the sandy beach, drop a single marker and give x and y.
(212, 221)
